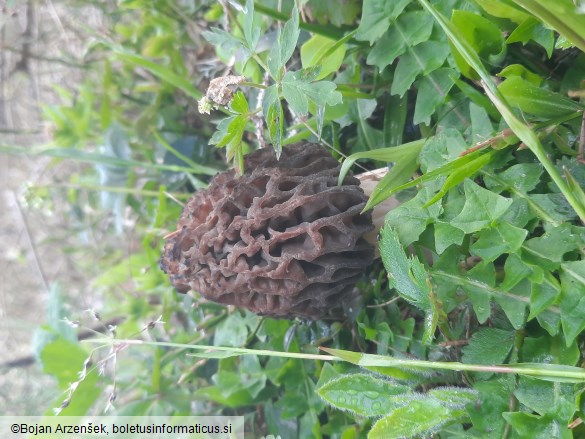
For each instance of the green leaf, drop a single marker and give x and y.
(537, 427)
(537, 101)
(401, 272)
(521, 71)
(297, 88)
(432, 91)
(65, 360)
(572, 299)
(532, 29)
(232, 331)
(522, 177)
(421, 417)
(251, 32)
(554, 244)
(421, 59)
(409, 278)
(447, 235)
(284, 46)
(393, 154)
(503, 238)
(376, 18)
(480, 209)
(482, 35)
(364, 395)
(488, 346)
(411, 218)
(562, 16)
(323, 52)
(410, 29)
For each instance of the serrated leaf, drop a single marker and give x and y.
(297, 89)
(480, 209)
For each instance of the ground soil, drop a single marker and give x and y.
(39, 42)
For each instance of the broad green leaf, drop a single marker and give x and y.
(488, 346)
(495, 241)
(411, 218)
(532, 29)
(521, 71)
(446, 235)
(410, 29)
(480, 289)
(523, 177)
(486, 416)
(537, 427)
(364, 395)
(420, 59)
(232, 331)
(65, 360)
(560, 15)
(420, 417)
(503, 9)
(323, 52)
(432, 91)
(376, 17)
(537, 101)
(482, 35)
(554, 244)
(572, 299)
(481, 208)
(444, 148)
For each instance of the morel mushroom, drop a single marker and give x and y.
(282, 240)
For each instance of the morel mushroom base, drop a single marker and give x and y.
(282, 240)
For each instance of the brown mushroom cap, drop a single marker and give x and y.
(282, 240)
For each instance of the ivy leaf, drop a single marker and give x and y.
(480, 209)
(298, 88)
(376, 17)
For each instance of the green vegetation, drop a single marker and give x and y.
(472, 322)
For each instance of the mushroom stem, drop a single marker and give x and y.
(368, 181)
